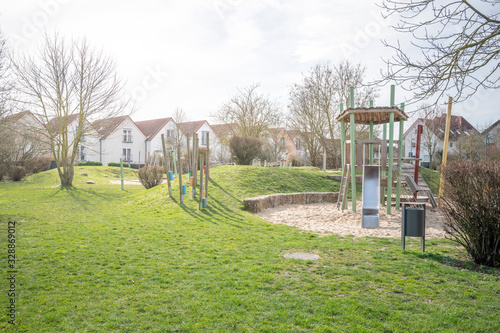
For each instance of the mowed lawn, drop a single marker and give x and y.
(95, 258)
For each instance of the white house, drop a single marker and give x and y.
(88, 148)
(202, 128)
(120, 138)
(432, 139)
(153, 129)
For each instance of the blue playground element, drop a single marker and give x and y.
(171, 174)
(183, 189)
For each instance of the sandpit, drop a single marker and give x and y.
(326, 219)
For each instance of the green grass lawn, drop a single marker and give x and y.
(432, 178)
(94, 258)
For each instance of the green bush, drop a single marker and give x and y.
(151, 176)
(90, 163)
(125, 165)
(17, 173)
(3, 169)
(245, 149)
(472, 206)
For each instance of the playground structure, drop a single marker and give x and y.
(195, 161)
(378, 179)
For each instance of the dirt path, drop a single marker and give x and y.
(327, 219)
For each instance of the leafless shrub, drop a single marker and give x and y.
(151, 176)
(472, 207)
(17, 173)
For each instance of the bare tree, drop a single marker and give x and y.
(5, 86)
(315, 102)
(429, 139)
(178, 138)
(454, 48)
(67, 82)
(252, 113)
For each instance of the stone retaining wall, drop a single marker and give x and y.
(258, 204)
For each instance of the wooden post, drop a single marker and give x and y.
(189, 166)
(166, 162)
(324, 159)
(445, 151)
(139, 159)
(195, 163)
(342, 138)
(175, 164)
(179, 175)
(400, 159)
(121, 170)
(201, 182)
(207, 166)
(370, 146)
(353, 152)
(390, 163)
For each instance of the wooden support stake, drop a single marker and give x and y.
(167, 163)
(179, 175)
(207, 164)
(195, 163)
(201, 181)
(121, 170)
(188, 155)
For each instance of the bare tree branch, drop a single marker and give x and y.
(455, 47)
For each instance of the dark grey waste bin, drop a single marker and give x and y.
(413, 222)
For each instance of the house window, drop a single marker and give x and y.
(127, 135)
(282, 142)
(451, 144)
(169, 133)
(204, 135)
(81, 154)
(77, 131)
(298, 144)
(127, 155)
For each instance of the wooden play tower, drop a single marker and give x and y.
(353, 151)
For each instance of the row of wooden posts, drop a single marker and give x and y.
(195, 161)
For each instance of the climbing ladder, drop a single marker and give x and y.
(344, 187)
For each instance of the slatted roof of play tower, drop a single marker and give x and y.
(379, 115)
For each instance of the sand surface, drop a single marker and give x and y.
(326, 219)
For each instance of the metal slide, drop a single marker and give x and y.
(370, 211)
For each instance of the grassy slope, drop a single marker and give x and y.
(431, 177)
(96, 258)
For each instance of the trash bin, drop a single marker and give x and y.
(413, 222)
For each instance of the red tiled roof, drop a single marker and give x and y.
(14, 118)
(54, 122)
(458, 125)
(223, 131)
(190, 127)
(106, 126)
(151, 127)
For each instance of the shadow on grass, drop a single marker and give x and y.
(458, 263)
(214, 183)
(214, 213)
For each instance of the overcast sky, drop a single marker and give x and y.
(194, 54)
